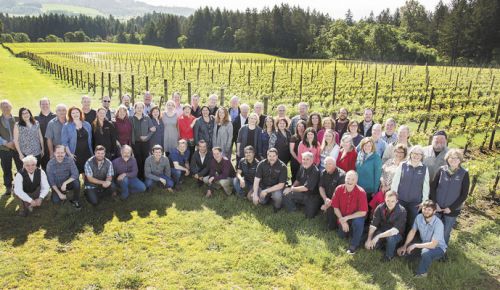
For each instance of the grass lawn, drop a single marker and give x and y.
(183, 240)
(24, 85)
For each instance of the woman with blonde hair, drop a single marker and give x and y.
(223, 132)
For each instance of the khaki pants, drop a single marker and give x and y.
(226, 184)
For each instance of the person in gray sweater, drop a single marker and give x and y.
(223, 132)
(157, 170)
(434, 153)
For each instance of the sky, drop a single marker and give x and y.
(335, 8)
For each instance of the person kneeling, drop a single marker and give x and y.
(30, 185)
(157, 170)
(388, 225)
(431, 230)
(200, 163)
(126, 170)
(221, 173)
(180, 159)
(350, 206)
(245, 174)
(270, 180)
(305, 188)
(99, 176)
(63, 176)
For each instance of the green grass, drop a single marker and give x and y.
(186, 241)
(72, 9)
(24, 85)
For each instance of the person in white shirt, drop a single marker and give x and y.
(30, 185)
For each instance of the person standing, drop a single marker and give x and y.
(142, 130)
(104, 133)
(88, 113)
(43, 119)
(303, 115)
(365, 128)
(204, 128)
(54, 129)
(223, 132)
(8, 151)
(171, 134)
(434, 154)
(28, 137)
(76, 136)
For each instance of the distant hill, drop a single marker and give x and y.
(118, 8)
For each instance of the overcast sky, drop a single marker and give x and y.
(335, 8)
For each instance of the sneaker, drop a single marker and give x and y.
(385, 259)
(351, 250)
(76, 204)
(423, 275)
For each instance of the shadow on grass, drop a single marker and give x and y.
(62, 222)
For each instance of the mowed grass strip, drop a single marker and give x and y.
(24, 85)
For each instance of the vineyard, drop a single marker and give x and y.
(463, 100)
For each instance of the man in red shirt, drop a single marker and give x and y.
(350, 206)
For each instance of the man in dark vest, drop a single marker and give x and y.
(99, 176)
(30, 185)
(7, 149)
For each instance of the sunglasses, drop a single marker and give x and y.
(106, 101)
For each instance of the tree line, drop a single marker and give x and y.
(462, 32)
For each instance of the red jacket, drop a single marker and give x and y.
(348, 162)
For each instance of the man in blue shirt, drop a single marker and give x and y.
(180, 160)
(431, 231)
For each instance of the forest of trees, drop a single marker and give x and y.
(462, 32)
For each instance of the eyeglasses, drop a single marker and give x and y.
(106, 101)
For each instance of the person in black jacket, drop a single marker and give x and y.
(365, 127)
(200, 163)
(449, 190)
(240, 121)
(104, 133)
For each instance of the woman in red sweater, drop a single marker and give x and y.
(347, 156)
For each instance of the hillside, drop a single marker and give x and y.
(118, 8)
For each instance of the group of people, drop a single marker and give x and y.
(360, 174)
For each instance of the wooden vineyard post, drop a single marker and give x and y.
(165, 93)
(147, 83)
(301, 78)
(189, 93)
(272, 82)
(334, 86)
(392, 85)
(375, 99)
(94, 86)
(495, 125)
(222, 96)
(110, 91)
(429, 109)
(102, 84)
(119, 85)
(88, 82)
(132, 79)
(266, 103)
(491, 86)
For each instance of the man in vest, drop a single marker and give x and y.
(7, 149)
(99, 176)
(30, 185)
(434, 154)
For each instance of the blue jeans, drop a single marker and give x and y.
(241, 191)
(428, 255)
(130, 185)
(448, 222)
(356, 228)
(390, 244)
(411, 213)
(149, 182)
(177, 175)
